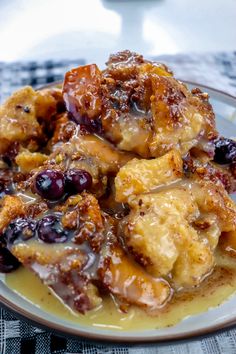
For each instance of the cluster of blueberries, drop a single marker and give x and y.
(51, 185)
(49, 229)
(225, 151)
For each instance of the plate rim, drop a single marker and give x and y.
(62, 330)
(196, 84)
(43, 323)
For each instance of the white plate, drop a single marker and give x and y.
(214, 319)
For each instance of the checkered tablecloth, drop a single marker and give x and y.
(18, 337)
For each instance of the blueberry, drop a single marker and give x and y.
(2, 190)
(76, 181)
(5, 189)
(2, 187)
(19, 229)
(50, 230)
(49, 184)
(225, 151)
(7, 261)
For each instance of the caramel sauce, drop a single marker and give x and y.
(215, 289)
(131, 131)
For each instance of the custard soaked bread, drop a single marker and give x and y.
(142, 108)
(115, 185)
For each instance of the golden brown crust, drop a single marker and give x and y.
(151, 221)
(130, 282)
(81, 85)
(86, 217)
(63, 131)
(140, 176)
(198, 167)
(28, 161)
(27, 119)
(159, 230)
(18, 117)
(60, 267)
(11, 207)
(142, 108)
(181, 120)
(62, 270)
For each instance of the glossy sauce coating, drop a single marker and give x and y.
(211, 293)
(141, 224)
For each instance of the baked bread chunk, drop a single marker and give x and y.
(140, 106)
(115, 184)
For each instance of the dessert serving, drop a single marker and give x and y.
(115, 192)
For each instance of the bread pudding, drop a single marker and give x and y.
(115, 184)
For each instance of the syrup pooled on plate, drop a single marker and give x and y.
(212, 292)
(115, 197)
